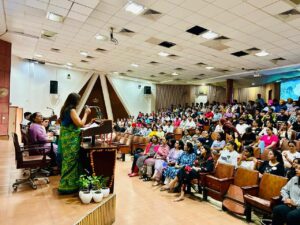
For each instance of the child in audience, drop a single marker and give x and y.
(229, 155)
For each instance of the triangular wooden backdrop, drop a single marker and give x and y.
(96, 98)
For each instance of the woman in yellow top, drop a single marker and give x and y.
(153, 132)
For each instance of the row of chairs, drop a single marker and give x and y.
(241, 191)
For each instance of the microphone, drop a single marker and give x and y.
(97, 108)
(52, 110)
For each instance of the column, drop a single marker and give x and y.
(229, 90)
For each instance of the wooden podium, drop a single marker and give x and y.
(98, 155)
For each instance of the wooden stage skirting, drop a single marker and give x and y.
(104, 214)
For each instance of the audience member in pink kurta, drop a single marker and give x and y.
(160, 156)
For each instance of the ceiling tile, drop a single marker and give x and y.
(77, 16)
(89, 3)
(84, 10)
(277, 7)
(66, 4)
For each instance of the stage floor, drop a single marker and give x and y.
(137, 202)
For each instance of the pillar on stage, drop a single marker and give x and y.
(229, 90)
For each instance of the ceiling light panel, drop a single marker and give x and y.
(210, 35)
(262, 53)
(163, 54)
(134, 8)
(55, 17)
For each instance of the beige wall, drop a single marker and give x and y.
(246, 94)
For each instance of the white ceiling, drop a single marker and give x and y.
(248, 24)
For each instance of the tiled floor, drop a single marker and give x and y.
(137, 202)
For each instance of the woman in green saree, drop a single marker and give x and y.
(69, 144)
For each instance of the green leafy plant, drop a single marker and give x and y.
(84, 182)
(99, 182)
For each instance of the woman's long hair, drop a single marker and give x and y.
(278, 156)
(71, 103)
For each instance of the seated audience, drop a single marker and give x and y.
(289, 212)
(186, 137)
(274, 164)
(229, 155)
(158, 159)
(139, 158)
(268, 141)
(172, 157)
(248, 138)
(38, 135)
(247, 159)
(204, 164)
(290, 155)
(241, 127)
(218, 144)
(26, 119)
(187, 158)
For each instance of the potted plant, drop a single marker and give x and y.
(104, 189)
(84, 194)
(96, 188)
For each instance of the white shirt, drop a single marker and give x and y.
(190, 124)
(290, 156)
(169, 129)
(228, 157)
(247, 165)
(241, 128)
(219, 129)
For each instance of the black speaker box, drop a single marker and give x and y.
(147, 90)
(53, 86)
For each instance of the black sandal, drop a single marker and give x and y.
(147, 179)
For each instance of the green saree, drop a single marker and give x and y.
(69, 146)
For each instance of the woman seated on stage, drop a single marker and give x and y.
(187, 158)
(140, 156)
(247, 159)
(274, 164)
(289, 212)
(38, 135)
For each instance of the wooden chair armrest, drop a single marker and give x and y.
(227, 179)
(275, 201)
(250, 190)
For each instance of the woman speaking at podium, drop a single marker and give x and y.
(69, 144)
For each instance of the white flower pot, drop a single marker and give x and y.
(85, 197)
(97, 196)
(105, 192)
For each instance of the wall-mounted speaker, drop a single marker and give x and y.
(53, 86)
(147, 90)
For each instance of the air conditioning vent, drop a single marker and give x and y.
(127, 32)
(100, 50)
(152, 14)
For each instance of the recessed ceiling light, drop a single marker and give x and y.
(134, 8)
(209, 35)
(278, 81)
(84, 53)
(175, 74)
(70, 64)
(54, 17)
(209, 67)
(38, 55)
(69, 67)
(164, 54)
(115, 72)
(256, 74)
(253, 84)
(134, 65)
(203, 84)
(262, 53)
(100, 37)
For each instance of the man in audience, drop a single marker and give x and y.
(241, 127)
(26, 119)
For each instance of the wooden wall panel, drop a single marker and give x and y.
(5, 63)
(96, 98)
(117, 106)
(167, 95)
